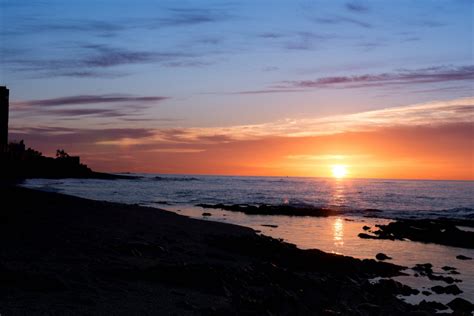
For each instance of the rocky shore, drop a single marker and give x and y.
(66, 255)
(267, 209)
(441, 231)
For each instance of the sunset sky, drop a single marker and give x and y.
(288, 88)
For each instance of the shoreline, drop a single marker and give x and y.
(67, 254)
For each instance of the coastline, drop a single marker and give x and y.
(67, 254)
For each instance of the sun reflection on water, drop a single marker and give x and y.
(338, 232)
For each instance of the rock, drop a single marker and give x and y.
(461, 305)
(446, 279)
(206, 214)
(382, 256)
(448, 268)
(389, 287)
(270, 225)
(426, 293)
(432, 306)
(423, 268)
(450, 289)
(441, 231)
(369, 309)
(266, 209)
(365, 227)
(462, 257)
(366, 236)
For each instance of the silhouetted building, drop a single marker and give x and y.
(4, 92)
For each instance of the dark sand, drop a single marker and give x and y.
(66, 255)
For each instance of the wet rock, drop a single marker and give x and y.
(365, 227)
(448, 268)
(447, 279)
(461, 305)
(432, 306)
(389, 286)
(270, 225)
(423, 268)
(206, 214)
(426, 293)
(426, 269)
(450, 289)
(266, 209)
(441, 231)
(367, 236)
(462, 257)
(382, 256)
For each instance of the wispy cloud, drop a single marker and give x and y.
(86, 112)
(58, 136)
(91, 60)
(459, 111)
(357, 7)
(433, 113)
(123, 106)
(342, 19)
(89, 99)
(402, 77)
(191, 16)
(325, 157)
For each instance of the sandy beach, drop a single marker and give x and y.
(67, 255)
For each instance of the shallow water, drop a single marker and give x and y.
(336, 234)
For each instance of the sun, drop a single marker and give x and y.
(339, 171)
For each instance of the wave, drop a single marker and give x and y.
(158, 178)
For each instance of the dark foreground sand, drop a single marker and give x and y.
(65, 255)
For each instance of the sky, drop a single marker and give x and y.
(287, 88)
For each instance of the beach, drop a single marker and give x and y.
(67, 255)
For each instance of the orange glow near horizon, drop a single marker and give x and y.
(402, 152)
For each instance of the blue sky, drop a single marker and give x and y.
(218, 64)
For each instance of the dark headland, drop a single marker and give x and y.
(18, 162)
(67, 255)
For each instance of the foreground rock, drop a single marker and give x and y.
(381, 256)
(65, 255)
(461, 306)
(443, 232)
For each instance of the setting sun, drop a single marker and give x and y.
(339, 171)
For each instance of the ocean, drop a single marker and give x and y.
(394, 198)
(336, 234)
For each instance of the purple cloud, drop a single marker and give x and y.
(90, 99)
(403, 77)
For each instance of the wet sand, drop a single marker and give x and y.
(66, 255)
